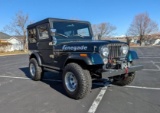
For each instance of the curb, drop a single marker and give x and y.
(144, 46)
(14, 54)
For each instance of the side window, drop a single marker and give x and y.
(32, 35)
(43, 32)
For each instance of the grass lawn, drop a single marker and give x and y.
(13, 52)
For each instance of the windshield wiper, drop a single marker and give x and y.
(62, 35)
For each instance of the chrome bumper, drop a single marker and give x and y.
(113, 72)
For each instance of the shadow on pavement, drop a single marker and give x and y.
(54, 80)
(49, 78)
(25, 70)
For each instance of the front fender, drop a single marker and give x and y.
(132, 55)
(36, 55)
(90, 59)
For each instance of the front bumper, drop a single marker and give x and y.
(113, 72)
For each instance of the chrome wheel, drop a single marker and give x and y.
(32, 69)
(70, 81)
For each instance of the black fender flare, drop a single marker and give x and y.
(90, 59)
(75, 57)
(37, 56)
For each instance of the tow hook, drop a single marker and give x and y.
(126, 70)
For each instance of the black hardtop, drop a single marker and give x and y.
(54, 19)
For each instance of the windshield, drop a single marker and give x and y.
(72, 30)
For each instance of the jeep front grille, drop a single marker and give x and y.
(114, 50)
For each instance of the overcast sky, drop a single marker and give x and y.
(117, 12)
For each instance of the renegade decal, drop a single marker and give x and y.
(74, 48)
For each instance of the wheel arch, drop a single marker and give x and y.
(76, 58)
(37, 57)
(80, 62)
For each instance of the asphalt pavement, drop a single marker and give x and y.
(19, 94)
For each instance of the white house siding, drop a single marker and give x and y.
(16, 44)
(157, 42)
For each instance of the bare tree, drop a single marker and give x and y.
(103, 30)
(142, 26)
(128, 39)
(18, 26)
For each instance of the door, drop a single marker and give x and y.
(44, 46)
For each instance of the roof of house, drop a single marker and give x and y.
(4, 36)
(19, 37)
(12, 40)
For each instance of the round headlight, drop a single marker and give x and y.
(124, 50)
(104, 51)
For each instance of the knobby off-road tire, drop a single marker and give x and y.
(125, 79)
(80, 77)
(35, 70)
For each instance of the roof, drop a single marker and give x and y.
(21, 38)
(4, 36)
(53, 19)
(12, 38)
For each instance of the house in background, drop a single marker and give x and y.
(13, 43)
(16, 44)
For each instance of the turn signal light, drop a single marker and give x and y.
(83, 55)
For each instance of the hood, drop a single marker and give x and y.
(87, 46)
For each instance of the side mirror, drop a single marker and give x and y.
(53, 31)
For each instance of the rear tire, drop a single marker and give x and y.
(76, 81)
(124, 80)
(35, 70)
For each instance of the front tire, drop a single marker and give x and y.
(35, 70)
(76, 81)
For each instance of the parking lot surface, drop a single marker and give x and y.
(19, 94)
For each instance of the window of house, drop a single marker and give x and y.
(43, 32)
(32, 35)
